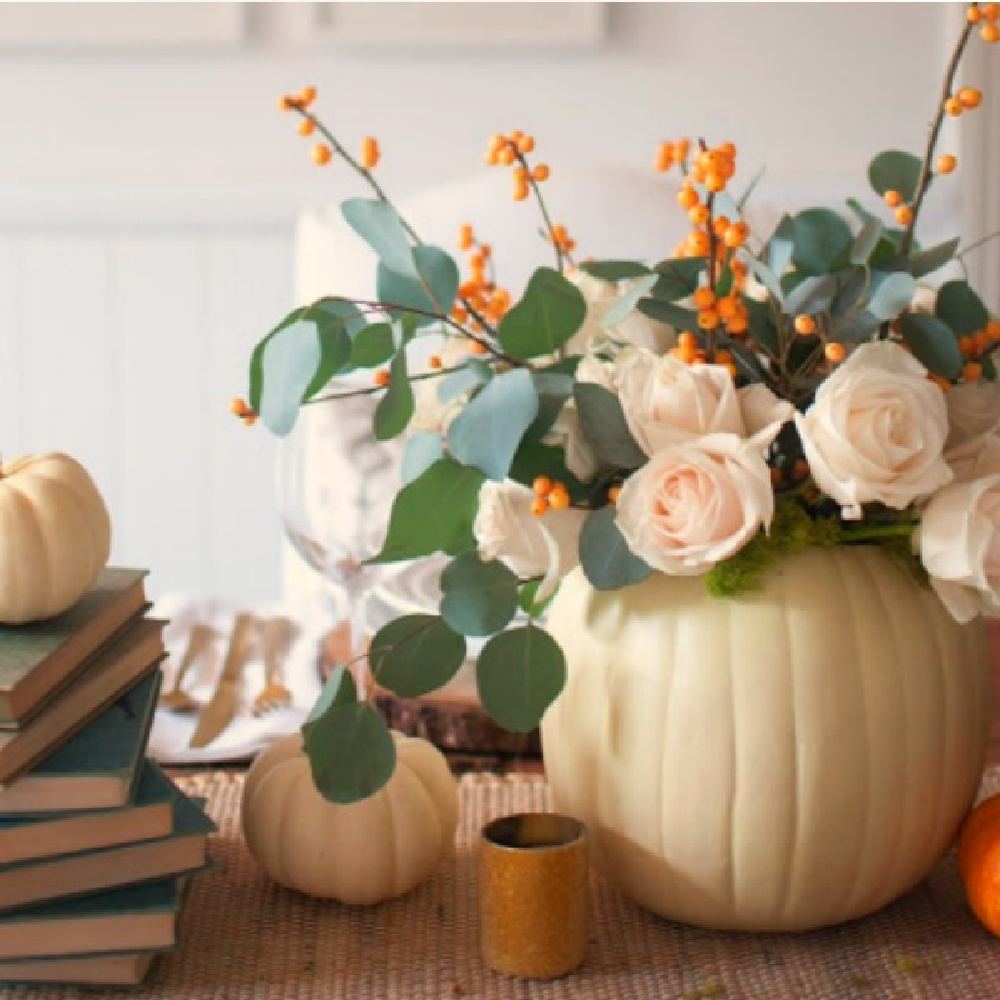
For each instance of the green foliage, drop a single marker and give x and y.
(534, 459)
(614, 270)
(821, 237)
(551, 310)
(334, 352)
(604, 426)
(678, 278)
(605, 557)
(395, 408)
(891, 294)
(628, 300)
(415, 654)
(961, 308)
(764, 275)
(528, 602)
(430, 288)
(421, 450)
(666, 312)
(488, 430)
(933, 344)
(480, 598)
(894, 170)
(520, 673)
(866, 241)
(380, 226)
(792, 530)
(927, 261)
(373, 346)
(781, 246)
(350, 750)
(288, 363)
(811, 295)
(434, 513)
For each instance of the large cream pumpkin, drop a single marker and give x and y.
(781, 761)
(55, 536)
(363, 852)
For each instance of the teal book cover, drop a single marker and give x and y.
(96, 768)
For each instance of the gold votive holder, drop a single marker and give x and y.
(533, 894)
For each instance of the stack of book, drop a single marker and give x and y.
(96, 843)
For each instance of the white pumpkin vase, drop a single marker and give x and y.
(785, 760)
(364, 852)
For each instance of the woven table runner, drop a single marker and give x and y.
(243, 936)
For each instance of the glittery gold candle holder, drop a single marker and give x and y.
(533, 882)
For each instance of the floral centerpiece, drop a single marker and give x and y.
(709, 415)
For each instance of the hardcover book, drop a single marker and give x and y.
(149, 816)
(182, 851)
(96, 768)
(133, 918)
(37, 658)
(132, 653)
(94, 970)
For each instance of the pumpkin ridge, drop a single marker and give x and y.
(668, 701)
(77, 483)
(786, 894)
(733, 763)
(25, 510)
(861, 673)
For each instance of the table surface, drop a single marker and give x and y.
(242, 935)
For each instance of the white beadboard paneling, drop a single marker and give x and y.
(248, 282)
(12, 411)
(70, 382)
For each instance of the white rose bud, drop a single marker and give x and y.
(635, 328)
(696, 503)
(876, 431)
(530, 545)
(959, 543)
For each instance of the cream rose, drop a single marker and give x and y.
(530, 545)
(635, 328)
(876, 431)
(696, 503)
(975, 458)
(959, 544)
(666, 401)
(973, 410)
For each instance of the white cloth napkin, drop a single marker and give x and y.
(245, 736)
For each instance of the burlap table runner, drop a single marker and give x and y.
(243, 936)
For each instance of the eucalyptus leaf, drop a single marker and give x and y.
(866, 241)
(380, 226)
(421, 450)
(527, 599)
(490, 427)
(666, 312)
(431, 288)
(553, 389)
(415, 654)
(480, 598)
(927, 261)
(434, 513)
(288, 365)
(614, 270)
(812, 295)
(520, 673)
(395, 408)
(853, 287)
(781, 246)
(334, 350)
(895, 170)
(764, 275)
(821, 236)
(459, 381)
(551, 310)
(373, 346)
(604, 426)
(932, 343)
(351, 752)
(679, 277)
(605, 557)
(750, 188)
(256, 359)
(626, 302)
(534, 459)
(961, 308)
(855, 327)
(761, 321)
(891, 294)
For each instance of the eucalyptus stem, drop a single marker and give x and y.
(924, 179)
(371, 389)
(875, 532)
(978, 244)
(562, 256)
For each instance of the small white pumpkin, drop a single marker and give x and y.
(365, 852)
(55, 536)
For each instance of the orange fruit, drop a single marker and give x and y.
(978, 861)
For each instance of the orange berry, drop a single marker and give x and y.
(720, 224)
(614, 492)
(500, 300)
(733, 236)
(249, 419)
(953, 106)
(728, 307)
(664, 156)
(381, 377)
(708, 319)
(305, 97)
(521, 191)
(539, 505)
(478, 347)
(559, 498)
(287, 102)
(698, 242)
(903, 215)
(991, 11)
(506, 155)
(972, 371)
(687, 197)
(542, 486)
(804, 324)
(970, 97)
(940, 381)
(465, 237)
(727, 149)
(993, 329)
(369, 152)
(892, 198)
(835, 351)
(687, 354)
(540, 173)
(521, 175)
(989, 33)
(967, 345)
(945, 164)
(698, 215)
(515, 135)
(305, 127)
(238, 407)
(704, 297)
(526, 144)
(321, 154)
(714, 181)
(973, 14)
(434, 361)
(681, 148)
(737, 325)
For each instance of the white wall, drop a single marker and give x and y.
(147, 201)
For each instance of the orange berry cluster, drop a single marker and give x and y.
(805, 326)
(238, 408)
(549, 495)
(902, 213)
(480, 290)
(985, 15)
(973, 347)
(506, 150)
(322, 154)
(689, 351)
(964, 99)
(669, 153)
